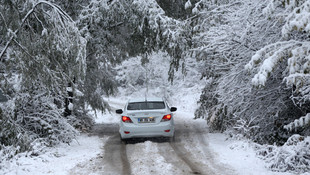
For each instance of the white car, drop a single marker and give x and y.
(151, 117)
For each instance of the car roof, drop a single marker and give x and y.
(145, 99)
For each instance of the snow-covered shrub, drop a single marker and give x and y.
(254, 113)
(129, 78)
(41, 116)
(188, 4)
(293, 156)
(298, 18)
(12, 136)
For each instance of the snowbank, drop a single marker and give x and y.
(57, 160)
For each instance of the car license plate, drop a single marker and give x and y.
(146, 120)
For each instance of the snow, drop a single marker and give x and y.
(195, 10)
(188, 4)
(106, 117)
(109, 116)
(70, 106)
(238, 154)
(145, 158)
(298, 19)
(273, 54)
(269, 9)
(58, 160)
(307, 118)
(301, 122)
(44, 32)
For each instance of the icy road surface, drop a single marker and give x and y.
(189, 153)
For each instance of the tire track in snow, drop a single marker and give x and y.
(115, 158)
(183, 156)
(181, 152)
(190, 146)
(201, 134)
(175, 153)
(146, 158)
(126, 164)
(170, 156)
(115, 153)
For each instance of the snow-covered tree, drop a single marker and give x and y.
(226, 39)
(169, 34)
(293, 50)
(43, 52)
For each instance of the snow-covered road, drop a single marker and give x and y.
(194, 151)
(189, 153)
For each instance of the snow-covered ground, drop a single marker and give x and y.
(58, 160)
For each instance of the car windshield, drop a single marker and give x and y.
(146, 105)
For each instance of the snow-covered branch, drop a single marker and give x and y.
(295, 52)
(298, 123)
(30, 12)
(293, 156)
(298, 19)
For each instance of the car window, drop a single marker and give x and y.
(146, 105)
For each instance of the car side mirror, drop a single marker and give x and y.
(173, 109)
(119, 111)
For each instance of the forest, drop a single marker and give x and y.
(57, 58)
